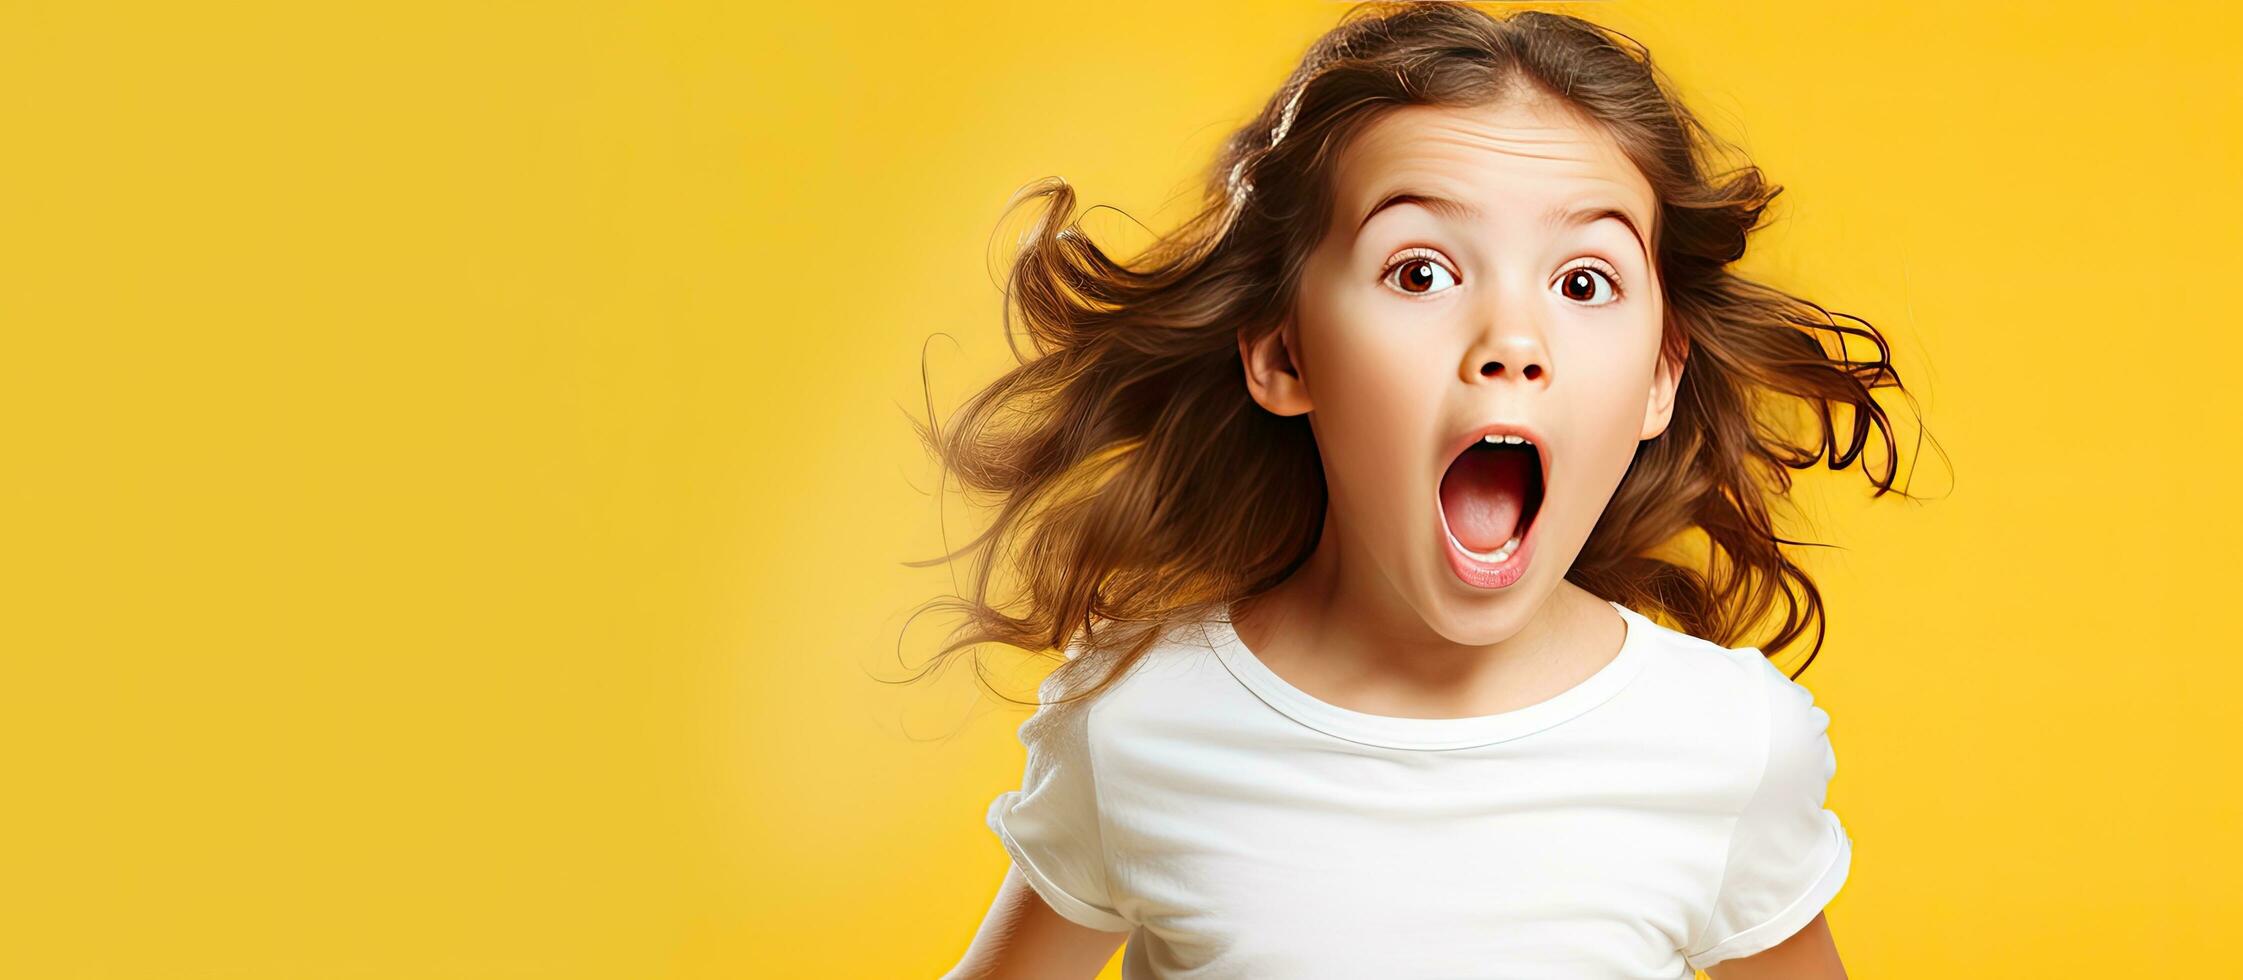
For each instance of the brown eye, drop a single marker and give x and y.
(1581, 284)
(1419, 276)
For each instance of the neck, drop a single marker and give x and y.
(1340, 616)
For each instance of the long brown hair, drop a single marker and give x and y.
(1135, 479)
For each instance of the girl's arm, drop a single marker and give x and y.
(1023, 937)
(1810, 954)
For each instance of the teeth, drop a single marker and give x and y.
(1503, 554)
(1496, 557)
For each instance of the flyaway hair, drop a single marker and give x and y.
(1133, 479)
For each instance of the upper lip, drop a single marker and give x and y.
(1530, 433)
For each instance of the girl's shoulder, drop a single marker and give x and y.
(1737, 689)
(1177, 677)
(1685, 656)
(1779, 715)
(1178, 646)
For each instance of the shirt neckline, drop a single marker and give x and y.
(1431, 733)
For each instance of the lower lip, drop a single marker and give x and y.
(1480, 574)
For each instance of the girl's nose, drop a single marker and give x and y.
(1511, 348)
(1525, 368)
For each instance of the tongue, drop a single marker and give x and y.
(1483, 494)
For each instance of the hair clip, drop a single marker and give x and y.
(1239, 186)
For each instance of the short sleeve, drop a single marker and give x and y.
(1050, 825)
(1788, 855)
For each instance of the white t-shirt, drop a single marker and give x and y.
(1662, 815)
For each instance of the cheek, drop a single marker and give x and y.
(1608, 390)
(1376, 392)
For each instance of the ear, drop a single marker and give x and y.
(1667, 377)
(1273, 376)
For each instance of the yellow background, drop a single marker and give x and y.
(457, 465)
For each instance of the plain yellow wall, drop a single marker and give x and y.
(457, 468)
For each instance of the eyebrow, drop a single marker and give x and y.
(1454, 209)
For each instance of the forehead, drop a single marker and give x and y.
(1515, 159)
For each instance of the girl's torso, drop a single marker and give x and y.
(1251, 830)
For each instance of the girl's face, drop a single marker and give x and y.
(1485, 268)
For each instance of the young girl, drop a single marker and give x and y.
(1343, 501)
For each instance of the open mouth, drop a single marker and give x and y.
(1490, 496)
